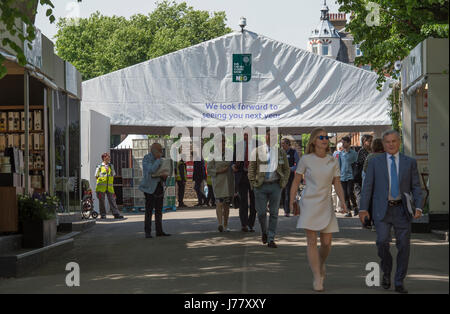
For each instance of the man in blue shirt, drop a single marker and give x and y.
(153, 190)
(346, 158)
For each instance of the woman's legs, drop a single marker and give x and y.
(219, 213)
(325, 248)
(226, 214)
(314, 259)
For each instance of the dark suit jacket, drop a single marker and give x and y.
(376, 185)
(199, 173)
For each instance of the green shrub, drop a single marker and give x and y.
(37, 207)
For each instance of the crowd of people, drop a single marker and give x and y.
(371, 183)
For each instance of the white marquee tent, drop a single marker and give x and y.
(289, 88)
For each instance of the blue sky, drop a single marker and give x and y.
(288, 21)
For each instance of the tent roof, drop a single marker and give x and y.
(296, 90)
(128, 141)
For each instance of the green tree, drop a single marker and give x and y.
(100, 44)
(24, 11)
(390, 33)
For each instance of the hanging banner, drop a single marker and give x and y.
(242, 67)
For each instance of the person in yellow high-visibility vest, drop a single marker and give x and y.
(181, 178)
(105, 179)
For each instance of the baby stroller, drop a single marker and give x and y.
(87, 202)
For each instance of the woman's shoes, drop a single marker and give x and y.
(318, 285)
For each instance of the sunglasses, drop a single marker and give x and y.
(321, 137)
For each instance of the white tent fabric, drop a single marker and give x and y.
(290, 88)
(128, 141)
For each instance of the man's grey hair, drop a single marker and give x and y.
(389, 132)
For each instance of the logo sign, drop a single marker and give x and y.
(242, 67)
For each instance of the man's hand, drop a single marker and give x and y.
(418, 214)
(235, 169)
(363, 214)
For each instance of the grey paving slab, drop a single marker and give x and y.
(114, 257)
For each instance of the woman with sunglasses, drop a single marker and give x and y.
(320, 170)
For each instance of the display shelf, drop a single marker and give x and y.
(2, 108)
(21, 132)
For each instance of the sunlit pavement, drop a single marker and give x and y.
(115, 257)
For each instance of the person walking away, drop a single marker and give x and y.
(181, 178)
(346, 158)
(242, 185)
(321, 170)
(153, 189)
(268, 174)
(199, 175)
(210, 198)
(376, 148)
(337, 204)
(366, 142)
(105, 187)
(223, 186)
(293, 160)
(390, 177)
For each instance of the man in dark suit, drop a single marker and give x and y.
(199, 175)
(389, 176)
(242, 184)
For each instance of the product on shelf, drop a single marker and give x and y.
(3, 121)
(2, 142)
(22, 119)
(36, 142)
(37, 120)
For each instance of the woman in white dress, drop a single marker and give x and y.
(320, 171)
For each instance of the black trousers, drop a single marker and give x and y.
(286, 194)
(349, 195)
(210, 199)
(358, 190)
(244, 193)
(181, 190)
(154, 202)
(200, 195)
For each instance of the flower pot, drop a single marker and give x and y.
(39, 233)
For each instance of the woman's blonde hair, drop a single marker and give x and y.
(310, 148)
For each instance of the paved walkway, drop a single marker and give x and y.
(114, 257)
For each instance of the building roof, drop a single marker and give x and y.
(325, 29)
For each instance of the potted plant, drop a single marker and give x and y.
(37, 214)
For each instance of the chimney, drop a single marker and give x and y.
(338, 20)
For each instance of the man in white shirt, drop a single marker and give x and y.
(388, 178)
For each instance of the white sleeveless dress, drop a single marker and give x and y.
(316, 204)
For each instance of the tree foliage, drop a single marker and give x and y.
(101, 44)
(12, 11)
(402, 25)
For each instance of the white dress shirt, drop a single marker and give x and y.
(397, 164)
